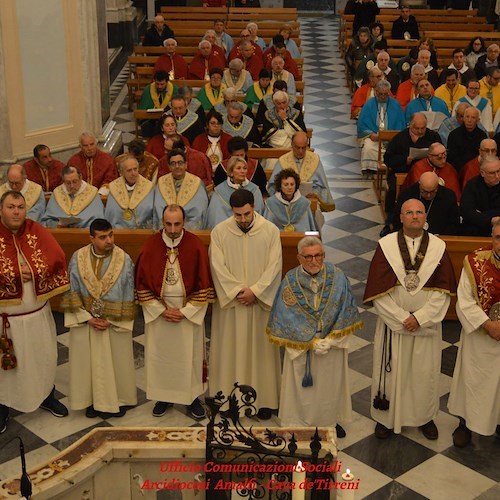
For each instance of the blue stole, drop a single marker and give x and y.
(185, 122)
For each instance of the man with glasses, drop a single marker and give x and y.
(435, 162)
(480, 203)
(439, 201)
(481, 103)
(245, 258)
(464, 141)
(179, 187)
(365, 92)
(32, 192)
(487, 61)
(488, 147)
(410, 282)
(313, 316)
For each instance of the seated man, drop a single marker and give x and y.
(488, 60)
(95, 166)
(391, 75)
(281, 122)
(197, 162)
(236, 50)
(473, 98)
(279, 73)
(237, 77)
(238, 146)
(366, 91)
(32, 192)
(156, 95)
(399, 159)
(450, 91)
(424, 58)
(435, 162)
(74, 203)
(130, 199)
(180, 188)
(157, 33)
(148, 164)
(310, 169)
(252, 62)
(428, 104)
(259, 89)
(211, 93)
(192, 103)
(278, 48)
(208, 57)
(267, 102)
(405, 27)
(379, 113)
(43, 169)
(480, 203)
(188, 123)
(253, 28)
(488, 147)
(465, 74)
(452, 122)
(369, 62)
(231, 95)
(440, 205)
(407, 90)
(235, 123)
(406, 63)
(463, 142)
(172, 63)
(489, 87)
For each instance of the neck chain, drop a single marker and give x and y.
(412, 281)
(172, 255)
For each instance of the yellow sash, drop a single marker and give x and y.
(189, 187)
(119, 191)
(211, 96)
(155, 97)
(78, 204)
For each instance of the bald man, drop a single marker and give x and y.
(439, 201)
(410, 282)
(464, 141)
(32, 192)
(488, 147)
(157, 33)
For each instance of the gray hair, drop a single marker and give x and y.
(124, 159)
(383, 85)
(229, 92)
(169, 40)
(417, 66)
(204, 42)
(238, 106)
(236, 63)
(309, 241)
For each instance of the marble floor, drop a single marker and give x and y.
(407, 466)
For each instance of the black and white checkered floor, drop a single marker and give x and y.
(405, 466)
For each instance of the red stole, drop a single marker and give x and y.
(484, 272)
(43, 255)
(151, 266)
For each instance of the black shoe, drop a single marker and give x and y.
(498, 430)
(265, 413)
(118, 414)
(4, 418)
(429, 430)
(462, 436)
(196, 409)
(340, 431)
(161, 408)
(382, 432)
(385, 231)
(54, 406)
(90, 412)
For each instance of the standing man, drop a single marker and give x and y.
(32, 192)
(100, 312)
(313, 315)
(245, 258)
(474, 394)
(410, 282)
(35, 271)
(96, 166)
(174, 288)
(43, 169)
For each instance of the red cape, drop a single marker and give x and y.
(290, 64)
(103, 170)
(50, 179)
(181, 67)
(156, 145)
(217, 59)
(198, 164)
(470, 170)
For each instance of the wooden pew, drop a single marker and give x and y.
(261, 14)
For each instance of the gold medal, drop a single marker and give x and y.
(411, 281)
(289, 228)
(127, 214)
(495, 312)
(214, 159)
(172, 276)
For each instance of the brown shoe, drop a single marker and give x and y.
(462, 436)
(429, 430)
(382, 432)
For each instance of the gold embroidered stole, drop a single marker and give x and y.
(118, 189)
(189, 187)
(211, 96)
(78, 204)
(309, 164)
(31, 195)
(229, 80)
(95, 286)
(284, 77)
(156, 98)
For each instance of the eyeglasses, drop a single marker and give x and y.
(439, 155)
(179, 163)
(309, 258)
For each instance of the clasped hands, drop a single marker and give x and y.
(173, 315)
(99, 324)
(411, 324)
(246, 297)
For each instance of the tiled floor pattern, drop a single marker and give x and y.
(404, 467)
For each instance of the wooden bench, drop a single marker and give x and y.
(261, 14)
(380, 184)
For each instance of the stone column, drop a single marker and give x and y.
(52, 76)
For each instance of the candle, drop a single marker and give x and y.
(298, 477)
(347, 477)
